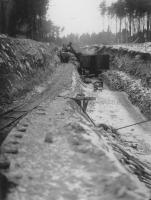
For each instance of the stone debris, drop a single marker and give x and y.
(49, 138)
(4, 162)
(21, 130)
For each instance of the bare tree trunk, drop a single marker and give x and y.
(3, 6)
(150, 28)
(134, 26)
(116, 29)
(1, 17)
(148, 16)
(120, 30)
(130, 25)
(138, 30)
(126, 30)
(10, 18)
(143, 26)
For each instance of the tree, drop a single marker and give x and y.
(16, 14)
(136, 16)
(103, 9)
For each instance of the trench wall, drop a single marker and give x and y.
(23, 63)
(130, 71)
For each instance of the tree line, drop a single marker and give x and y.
(105, 37)
(27, 17)
(133, 19)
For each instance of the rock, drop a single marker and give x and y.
(4, 162)
(22, 130)
(25, 125)
(41, 113)
(10, 150)
(87, 80)
(49, 138)
(135, 146)
(18, 136)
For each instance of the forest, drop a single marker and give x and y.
(28, 18)
(132, 17)
(104, 37)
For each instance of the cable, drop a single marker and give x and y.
(133, 124)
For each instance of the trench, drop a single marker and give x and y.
(113, 110)
(108, 112)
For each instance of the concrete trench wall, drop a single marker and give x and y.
(21, 61)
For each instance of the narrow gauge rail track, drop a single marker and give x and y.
(8, 122)
(10, 118)
(133, 164)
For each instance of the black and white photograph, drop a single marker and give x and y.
(75, 99)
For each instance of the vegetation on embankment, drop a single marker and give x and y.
(140, 96)
(131, 72)
(23, 64)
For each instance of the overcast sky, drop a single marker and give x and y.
(77, 16)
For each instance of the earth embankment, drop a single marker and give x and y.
(24, 63)
(130, 71)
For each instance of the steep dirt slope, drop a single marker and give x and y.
(62, 156)
(23, 64)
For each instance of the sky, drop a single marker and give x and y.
(77, 16)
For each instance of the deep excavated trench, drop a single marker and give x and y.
(132, 145)
(108, 112)
(112, 111)
(126, 128)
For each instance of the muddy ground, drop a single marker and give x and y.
(56, 152)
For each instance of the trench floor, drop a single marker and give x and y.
(114, 109)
